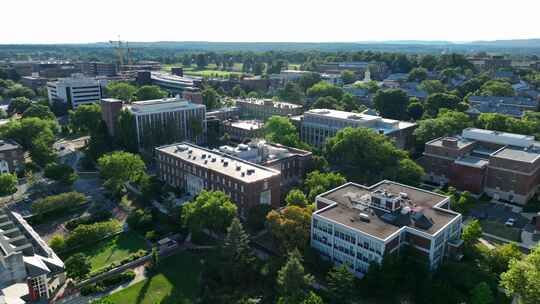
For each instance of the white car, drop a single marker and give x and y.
(510, 222)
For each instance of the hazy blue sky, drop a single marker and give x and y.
(41, 21)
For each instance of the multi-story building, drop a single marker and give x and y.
(291, 162)
(76, 90)
(505, 166)
(225, 113)
(358, 225)
(265, 108)
(34, 81)
(167, 120)
(11, 156)
(514, 106)
(319, 124)
(241, 130)
(194, 168)
(169, 82)
(96, 68)
(29, 268)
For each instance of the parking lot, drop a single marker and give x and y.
(500, 213)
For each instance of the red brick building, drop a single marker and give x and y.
(505, 166)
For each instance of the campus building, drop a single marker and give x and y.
(160, 121)
(172, 83)
(11, 156)
(266, 108)
(505, 166)
(514, 105)
(75, 90)
(291, 162)
(317, 125)
(194, 168)
(29, 268)
(241, 130)
(358, 225)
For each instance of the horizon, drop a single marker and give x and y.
(281, 21)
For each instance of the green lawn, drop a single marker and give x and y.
(177, 281)
(114, 249)
(500, 230)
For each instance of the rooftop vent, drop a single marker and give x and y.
(238, 168)
(364, 217)
(213, 159)
(225, 164)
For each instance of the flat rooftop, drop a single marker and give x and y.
(528, 155)
(275, 104)
(159, 105)
(247, 124)
(420, 201)
(377, 122)
(219, 162)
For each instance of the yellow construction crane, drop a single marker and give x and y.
(122, 49)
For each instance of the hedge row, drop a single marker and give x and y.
(132, 257)
(111, 281)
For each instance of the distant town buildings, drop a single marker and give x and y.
(29, 269)
(75, 90)
(505, 166)
(194, 168)
(11, 156)
(97, 68)
(265, 108)
(317, 125)
(514, 105)
(169, 82)
(357, 225)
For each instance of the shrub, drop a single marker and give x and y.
(85, 234)
(132, 257)
(99, 216)
(58, 203)
(140, 220)
(57, 243)
(90, 289)
(152, 236)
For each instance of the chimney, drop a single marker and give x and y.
(450, 142)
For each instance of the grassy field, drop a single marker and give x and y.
(114, 249)
(209, 71)
(177, 281)
(500, 230)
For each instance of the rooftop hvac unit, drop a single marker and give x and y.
(403, 195)
(364, 217)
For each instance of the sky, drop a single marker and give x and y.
(76, 21)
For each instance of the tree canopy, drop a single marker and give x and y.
(39, 111)
(523, 277)
(117, 168)
(279, 129)
(323, 88)
(121, 90)
(366, 157)
(392, 103)
(318, 182)
(8, 184)
(210, 210)
(292, 280)
(149, 92)
(290, 227)
(85, 118)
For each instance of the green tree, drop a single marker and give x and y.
(117, 168)
(482, 294)
(41, 152)
(317, 182)
(8, 184)
(201, 61)
(500, 257)
(313, 298)
(523, 277)
(292, 280)
(322, 89)
(340, 283)
(432, 86)
(19, 91)
(237, 254)
(392, 103)
(100, 142)
(365, 156)
(445, 124)
(18, 105)
(471, 232)
(149, 92)
(326, 102)
(497, 88)
(256, 217)
(290, 227)
(77, 266)
(61, 173)
(418, 74)
(210, 98)
(415, 110)
(296, 197)
(25, 131)
(39, 111)
(437, 101)
(126, 133)
(58, 203)
(307, 80)
(428, 61)
(292, 93)
(409, 172)
(57, 243)
(85, 118)
(372, 86)
(121, 90)
(237, 91)
(210, 210)
(348, 77)
(279, 129)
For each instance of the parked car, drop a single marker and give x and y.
(510, 222)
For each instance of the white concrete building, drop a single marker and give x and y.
(358, 225)
(319, 124)
(76, 90)
(167, 119)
